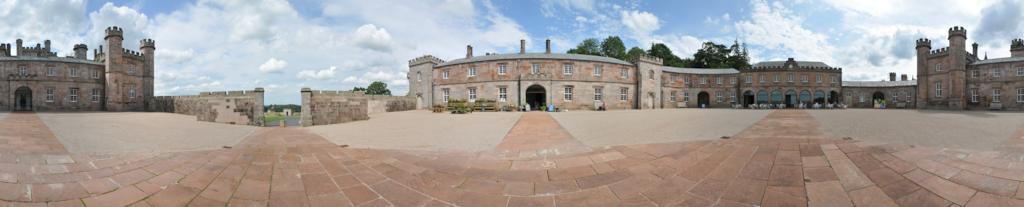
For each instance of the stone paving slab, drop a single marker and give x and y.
(612, 128)
(975, 130)
(25, 133)
(423, 130)
(121, 132)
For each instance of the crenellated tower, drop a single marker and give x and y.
(421, 79)
(957, 68)
(148, 49)
(1017, 48)
(80, 51)
(924, 46)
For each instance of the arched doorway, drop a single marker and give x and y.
(703, 100)
(878, 95)
(762, 97)
(776, 97)
(748, 98)
(805, 97)
(536, 97)
(23, 99)
(819, 97)
(791, 98)
(833, 97)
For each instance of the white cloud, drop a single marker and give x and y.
(36, 21)
(370, 37)
(273, 65)
(640, 23)
(323, 74)
(549, 8)
(780, 31)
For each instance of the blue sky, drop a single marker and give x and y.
(282, 45)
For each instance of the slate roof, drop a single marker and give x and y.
(999, 60)
(783, 63)
(50, 59)
(707, 71)
(554, 56)
(879, 83)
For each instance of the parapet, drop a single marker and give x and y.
(648, 59)
(1015, 44)
(147, 43)
(114, 31)
(958, 31)
(424, 60)
(924, 42)
(81, 46)
(133, 55)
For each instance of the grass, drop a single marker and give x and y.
(275, 118)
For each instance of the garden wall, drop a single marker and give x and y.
(321, 107)
(230, 107)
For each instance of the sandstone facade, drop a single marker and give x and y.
(332, 107)
(230, 107)
(954, 78)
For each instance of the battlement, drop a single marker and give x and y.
(133, 54)
(424, 60)
(924, 42)
(957, 31)
(5, 50)
(257, 91)
(40, 50)
(114, 31)
(81, 46)
(1017, 44)
(147, 43)
(649, 59)
(798, 67)
(943, 50)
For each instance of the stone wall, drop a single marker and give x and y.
(231, 107)
(332, 107)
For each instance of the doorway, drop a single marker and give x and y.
(790, 99)
(23, 99)
(703, 100)
(748, 98)
(536, 97)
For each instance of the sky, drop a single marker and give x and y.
(285, 45)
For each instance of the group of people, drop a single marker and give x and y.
(798, 106)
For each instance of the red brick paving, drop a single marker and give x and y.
(782, 160)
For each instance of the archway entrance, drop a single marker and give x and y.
(23, 99)
(877, 99)
(791, 99)
(650, 97)
(703, 100)
(748, 98)
(536, 97)
(833, 97)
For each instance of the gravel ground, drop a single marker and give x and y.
(975, 130)
(610, 128)
(423, 130)
(106, 133)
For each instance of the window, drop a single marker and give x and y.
(95, 95)
(835, 79)
(472, 71)
(51, 71)
(732, 80)
(131, 92)
(49, 94)
(444, 74)
(975, 73)
(1020, 95)
(623, 94)
(73, 95)
(472, 94)
(861, 99)
(502, 94)
(686, 96)
(777, 78)
(419, 76)
(650, 74)
(535, 69)
(732, 97)
(95, 74)
(908, 96)
(974, 95)
(703, 80)
(598, 70)
(131, 69)
(686, 80)
(624, 73)
(996, 95)
(749, 79)
(598, 93)
(567, 69)
(803, 78)
(763, 78)
(567, 93)
(444, 94)
(1020, 71)
(73, 72)
(997, 73)
(22, 70)
(719, 80)
(718, 96)
(938, 67)
(502, 69)
(673, 96)
(790, 78)
(938, 88)
(817, 78)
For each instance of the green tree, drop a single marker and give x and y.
(613, 47)
(357, 88)
(662, 51)
(589, 46)
(634, 53)
(711, 55)
(378, 88)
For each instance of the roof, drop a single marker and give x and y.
(513, 56)
(783, 63)
(999, 60)
(708, 71)
(879, 83)
(49, 59)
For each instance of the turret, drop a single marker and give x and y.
(924, 46)
(957, 47)
(18, 43)
(46, 45)
(80, 51)
(974, 50)
(1017, 48)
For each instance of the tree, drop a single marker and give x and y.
(357, 88)
(662, 51)
(711, 55)
(634, 53)
(613, 47)
(378, 88)
(589, 46)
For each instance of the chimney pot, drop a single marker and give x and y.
(547, 46)
(892, 76)
(522, 46)
(469, 51)
(903, 77)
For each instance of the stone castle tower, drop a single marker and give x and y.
(129, 74)
(942, 73)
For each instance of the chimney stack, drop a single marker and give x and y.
(975, 47)
(892, 76)
(469, 51)
(903, 77)
(522, 46)
(547, 46)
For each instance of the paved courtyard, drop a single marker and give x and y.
(105, 133)
(784, 158)
(422, 130)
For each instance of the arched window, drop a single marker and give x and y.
(650, 73)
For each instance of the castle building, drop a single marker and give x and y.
(948, 78)
(115, 79)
